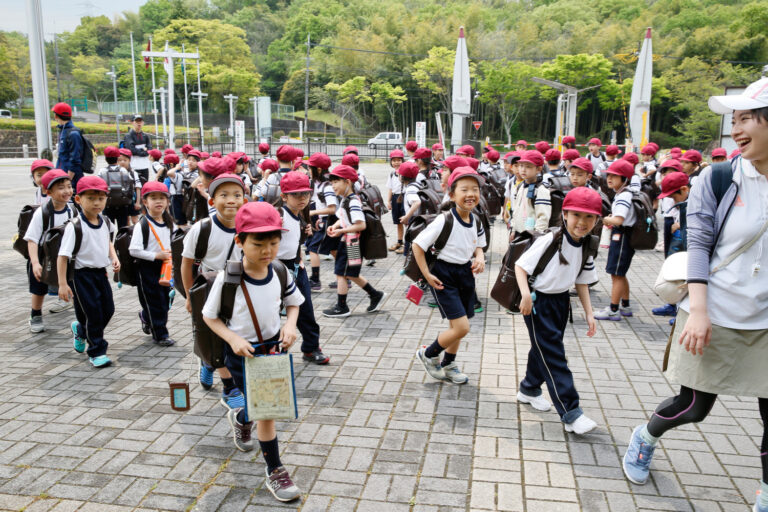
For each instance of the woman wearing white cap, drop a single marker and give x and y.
(720, 342)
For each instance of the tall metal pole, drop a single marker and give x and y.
(306, 89)
(255, 101)
(200, 95)
(133, 70)
(171, 98)
(39, 77)
(154, 97)
(56, 56)
(230, 98)
(161, 91)
(186, 104)
(113, 75)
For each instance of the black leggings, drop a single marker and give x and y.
(692, 406)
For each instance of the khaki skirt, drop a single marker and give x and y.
(734, 363)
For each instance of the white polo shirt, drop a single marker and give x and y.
(557, 277)
(94, 247)
(221, 246)
(462, 242)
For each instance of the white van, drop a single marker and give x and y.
(386, 140)
(5, 114)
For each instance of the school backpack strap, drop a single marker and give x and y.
(201, 249)
(145, 231)
(445, 232)
(721, 178)
(233, 274)
(282, 275)
(549, 253)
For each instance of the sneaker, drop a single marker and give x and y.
(637, 458)
(36, 324)
(625, 311)
(204, 375)
(333, 285)
(100, 361)
(234, 399)
(165, 342)
(281, 486)
(241, 433)
(395, 246)
(377, 300)
(77, 342)
(758, 507)
(400, 250)
(316, 357)
(607, 314)
(514, 311)
(327, 257)
(336, 311)
(432, 303)
(665, 310)
(315, 286)
(59, 306)
(478, 307)
(431, 364)
(144, 325)
(453, 374)
(537, 402)
(581, 425)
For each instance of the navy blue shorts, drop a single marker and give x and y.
(398, 208)
(35, 286)
(457, 298)
(328, 243)
(620, 251)
(234, 362)
(177, 208)
(313, 242)
(342, 267)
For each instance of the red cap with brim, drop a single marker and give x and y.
(258, 217)
(467, 150)
(217, 166)
(263, 148)
(350, 159)
(454, 162)
(621, 168)
(422, 153)
(673, 182)
(269, 165)
(125, 152)
(222, 179)
(584, 164)
(155, 153)
(583, 199)
(171, 159)
(521, 143)
(493, 156)
(568, 139)
(532, 157)
(52, 176)
(411, 145)
(719, 152)
(186, 148)
(322, 161)
(154, 186)
(286, 153)
(87, 183)
(465, 172)
(41, 163)
(344, 172)
(350, 149)
(396, 153)
(295, 181)
(671, 164)
(408, 170)
(437, 147)
(691, 156)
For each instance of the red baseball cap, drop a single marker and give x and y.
(649, 149)
(269, 165)
(396, 153)
(521, 142)
(437, 147)
(453, 162)
(654, 145)
(207, 155)
(552, 155)
(734, 153)
(350, 159)
(671, 164)
(263, 148)
(87, 183)
(676, 151)
(286, 153)
(345, 172)
(622, 168)
(691, 156)
(217, 166)
(217, 154)
(155, 153)
(125, 152)
(631, 158)
(465, 172)
(719, 152)
(422, 153)
(224, 178)
(512, 157)
(568, 139)
(41, 163)
(154, 186)
(350, 149)
(612, 150)
(52, 176)
(584, 164)
(171, 158)
(299, 153)
(532, 157)
(411, 145)
(63, 110)
(408, 169)
(595, 140)
(571, 154)
(320, 160)
(295, 181)
(542, 146)
(258, 217)
(186, 148)
(111, 152)
(673, 182)
(237, 155)
(467, 150)
(195, 153)
(169, 151)
(583, 199)
(473, 162)
(493, 155)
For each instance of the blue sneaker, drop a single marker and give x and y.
(233, 400)
(666, 310)
(205, 375)
(77, 342)
(637, 458)
(671, 321)
(100, 361)
(758, 507)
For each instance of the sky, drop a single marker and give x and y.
(61, 15)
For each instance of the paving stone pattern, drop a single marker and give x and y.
(374, 432)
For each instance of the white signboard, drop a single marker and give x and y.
(726, 141)
(421, 134)
(240, 136)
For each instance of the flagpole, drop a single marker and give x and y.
(186, 104)
(133, 69)
(154, 96)
(200, 96)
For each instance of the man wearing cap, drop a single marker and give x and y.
(70, 145)
(139, 144)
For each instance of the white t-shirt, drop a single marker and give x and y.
(94, 247)
(41, 198)
(36, 229)
(289, 243)
(411, 195)
(265, 297)
(667, 205)
(355, 210)
(622, 207)
(557, 277)
(136, 249)
(326, 196)
(462, 242)
(155, 169)
(221, 245)
(596, 160)
(394, 184)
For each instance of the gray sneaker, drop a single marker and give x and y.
(431, 364)
(59, 306)
(281, 486)
(453, 374)
(241, 433)
(625, 311)
(36, 324)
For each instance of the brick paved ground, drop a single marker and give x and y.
(374, 433)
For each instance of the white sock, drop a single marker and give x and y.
(763, 494)
(647, 437)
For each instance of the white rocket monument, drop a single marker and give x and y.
(461, 98)
(640, 103)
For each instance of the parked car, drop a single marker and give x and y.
(5, 114)
(386, 140)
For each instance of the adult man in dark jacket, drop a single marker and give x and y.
(139, 144)
(70, 145)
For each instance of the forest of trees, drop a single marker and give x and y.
(251, 47)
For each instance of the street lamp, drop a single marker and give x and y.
(113, 76)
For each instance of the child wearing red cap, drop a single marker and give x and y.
(394, 199)
(88, 283)
(532, 206)
(175, 182)
(157, 169)
(323, 210)
(121, 184)
(37, 170)
(595, 155)
(620, 251)
(216, 234)
(259, 232)
(286, 155)
(557, 261)
(408, 172)
(452, 276)
(350, 224)
(151, 246)
(57, 187)
(124, 161)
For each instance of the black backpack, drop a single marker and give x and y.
(50, 245)
(371, 195)
(429, 197)
(194, 205)
(87, 152)
(645, 232)
(128, 270)
(272, 194)
(208, 345)
(177, 247)
(25, 217)
(120, 187)
(373, 239)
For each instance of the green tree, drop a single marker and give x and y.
(16, 67)
(348, 96)
(390, 97)
(507, 87)
(435, 74)
(89, 73)
(156, 14)
(579, 71)
(293, 89)
(94, 36)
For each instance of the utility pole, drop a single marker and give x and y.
(113, 76)
(133, 71)
(154, 93)
(255, 101)
(306, 88)
(39, 77)
(161, 91)
(56, 56)
(200, 95)
(186, 103)
(230, 98)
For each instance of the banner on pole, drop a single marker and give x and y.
(240, 136)
(146, 59)
(477, 124)
(421, 133)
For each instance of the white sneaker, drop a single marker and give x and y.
(59, 306)
(581, 425)
(537, 402)
(453, 374)
(431, 364)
